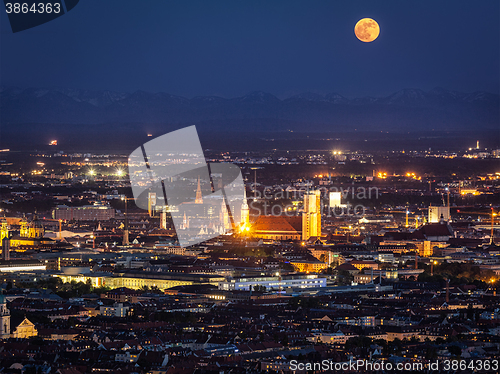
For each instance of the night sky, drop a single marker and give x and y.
(230, 48)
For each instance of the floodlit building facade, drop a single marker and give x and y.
(436, 213)
(274, 283)
(311, 216)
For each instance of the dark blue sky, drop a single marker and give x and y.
(230, 48)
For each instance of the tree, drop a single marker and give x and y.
(344, 277)
(455, 350)
(431, 353)
(286, 266)
(439, 340)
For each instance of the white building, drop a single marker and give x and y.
(335, 199)
(274, 283)
(117, 310)
(435, 213)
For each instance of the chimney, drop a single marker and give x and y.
(447, 290)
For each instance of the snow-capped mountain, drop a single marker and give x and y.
(400, 111)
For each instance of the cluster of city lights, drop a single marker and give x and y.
(118, 172)
(413, 175)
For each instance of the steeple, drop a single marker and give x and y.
(245, 213)
(4, 318)
(199, 196)
(4, 239)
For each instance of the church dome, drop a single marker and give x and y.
(36, 223)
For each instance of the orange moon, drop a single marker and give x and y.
(367, 30)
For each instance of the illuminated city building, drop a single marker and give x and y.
(31, 234)
(26, 329)
(4, 240)
(335, 199)
(286, 227)
(83, 213)
(35, 229)
(311, 216)
(274, 283)
(309, 266)
(278, 228)
(138, 280)
(436, 213)
(360, 265)
(23, 330)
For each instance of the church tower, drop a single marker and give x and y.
(24, 227)
(163, 218)
(4, 229)
(199, 196)
(224, 219)
(245, 211)
(311, 216)
(4, 318)
(4, 240)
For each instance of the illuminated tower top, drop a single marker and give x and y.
(245, 212)
(4, 229)
(24, 227)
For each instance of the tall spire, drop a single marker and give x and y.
(245, 212)
(199, 196)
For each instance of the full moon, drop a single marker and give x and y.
(367, 30)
